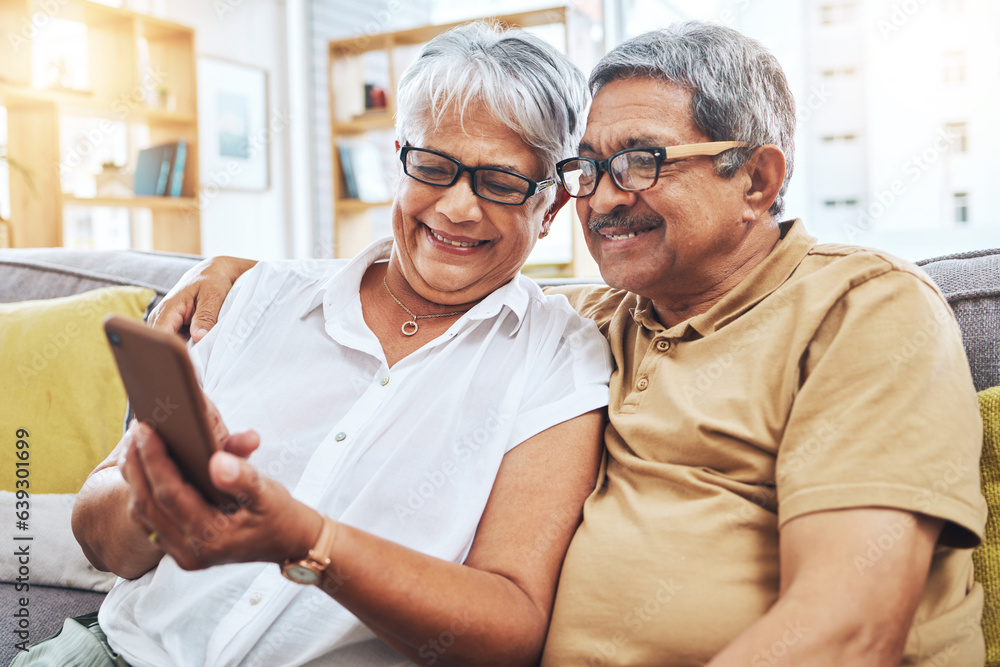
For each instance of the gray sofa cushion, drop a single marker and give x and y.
(42, 273)
(971, 283)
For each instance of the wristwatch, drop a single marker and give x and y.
(310, 569)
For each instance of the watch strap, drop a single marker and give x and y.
(318, 558)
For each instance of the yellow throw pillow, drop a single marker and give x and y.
(62, 403)
(987, 556)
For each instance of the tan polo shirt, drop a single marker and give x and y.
(831, 377)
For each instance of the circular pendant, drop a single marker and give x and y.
(409, 328)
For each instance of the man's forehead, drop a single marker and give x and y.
(630, 141)
(638, 112)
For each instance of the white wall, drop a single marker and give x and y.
(252, 32)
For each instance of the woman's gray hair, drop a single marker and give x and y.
(739, 90)
(521, 80)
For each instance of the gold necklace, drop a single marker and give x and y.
(410, 327)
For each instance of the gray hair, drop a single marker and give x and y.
(523, 82)
(739, 92)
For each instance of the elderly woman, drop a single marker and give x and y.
(427, 423)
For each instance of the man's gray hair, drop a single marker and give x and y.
(739, 92)
(521, 80)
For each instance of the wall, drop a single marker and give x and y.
(251, 32)
(338, 19)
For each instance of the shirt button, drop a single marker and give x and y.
(385, 380)
(340, 436)
(663, 345)
(256, 598)
(642, 383)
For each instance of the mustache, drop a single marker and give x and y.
(624, 221)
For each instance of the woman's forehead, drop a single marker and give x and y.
(475, 134)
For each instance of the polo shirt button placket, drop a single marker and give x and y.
(662, 345)
(642, 384)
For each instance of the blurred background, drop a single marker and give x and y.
(897, 101)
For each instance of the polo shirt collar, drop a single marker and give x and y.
(765, 278)
(338, 290)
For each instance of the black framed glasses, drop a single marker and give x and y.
(496, 185)
(633, 169)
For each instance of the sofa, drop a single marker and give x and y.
(970, 281)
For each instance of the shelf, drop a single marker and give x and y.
(152, 203)
(368, 123)
(356, 205)
(86, 104)
(422, 34)
(139, 75)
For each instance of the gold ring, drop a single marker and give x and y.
(153, 537)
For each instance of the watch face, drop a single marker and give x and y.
(300, 574)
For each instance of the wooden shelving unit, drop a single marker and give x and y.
(392, 50)
(140, 71)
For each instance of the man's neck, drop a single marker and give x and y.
(721, 279)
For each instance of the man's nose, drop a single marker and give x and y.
(607, 196)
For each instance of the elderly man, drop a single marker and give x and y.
(791, 471)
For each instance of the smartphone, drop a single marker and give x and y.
(163, 392)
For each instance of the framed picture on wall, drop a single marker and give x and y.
(233, 132)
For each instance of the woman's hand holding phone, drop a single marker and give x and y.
(267, 524)
(190, 485)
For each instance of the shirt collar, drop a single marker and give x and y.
(794, 244)
(336, 291)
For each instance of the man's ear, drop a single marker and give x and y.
(561, 198)
(766, 168)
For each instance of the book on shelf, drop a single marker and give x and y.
(176, 182)
(347, 170)
(368, 172)
(159, 170)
